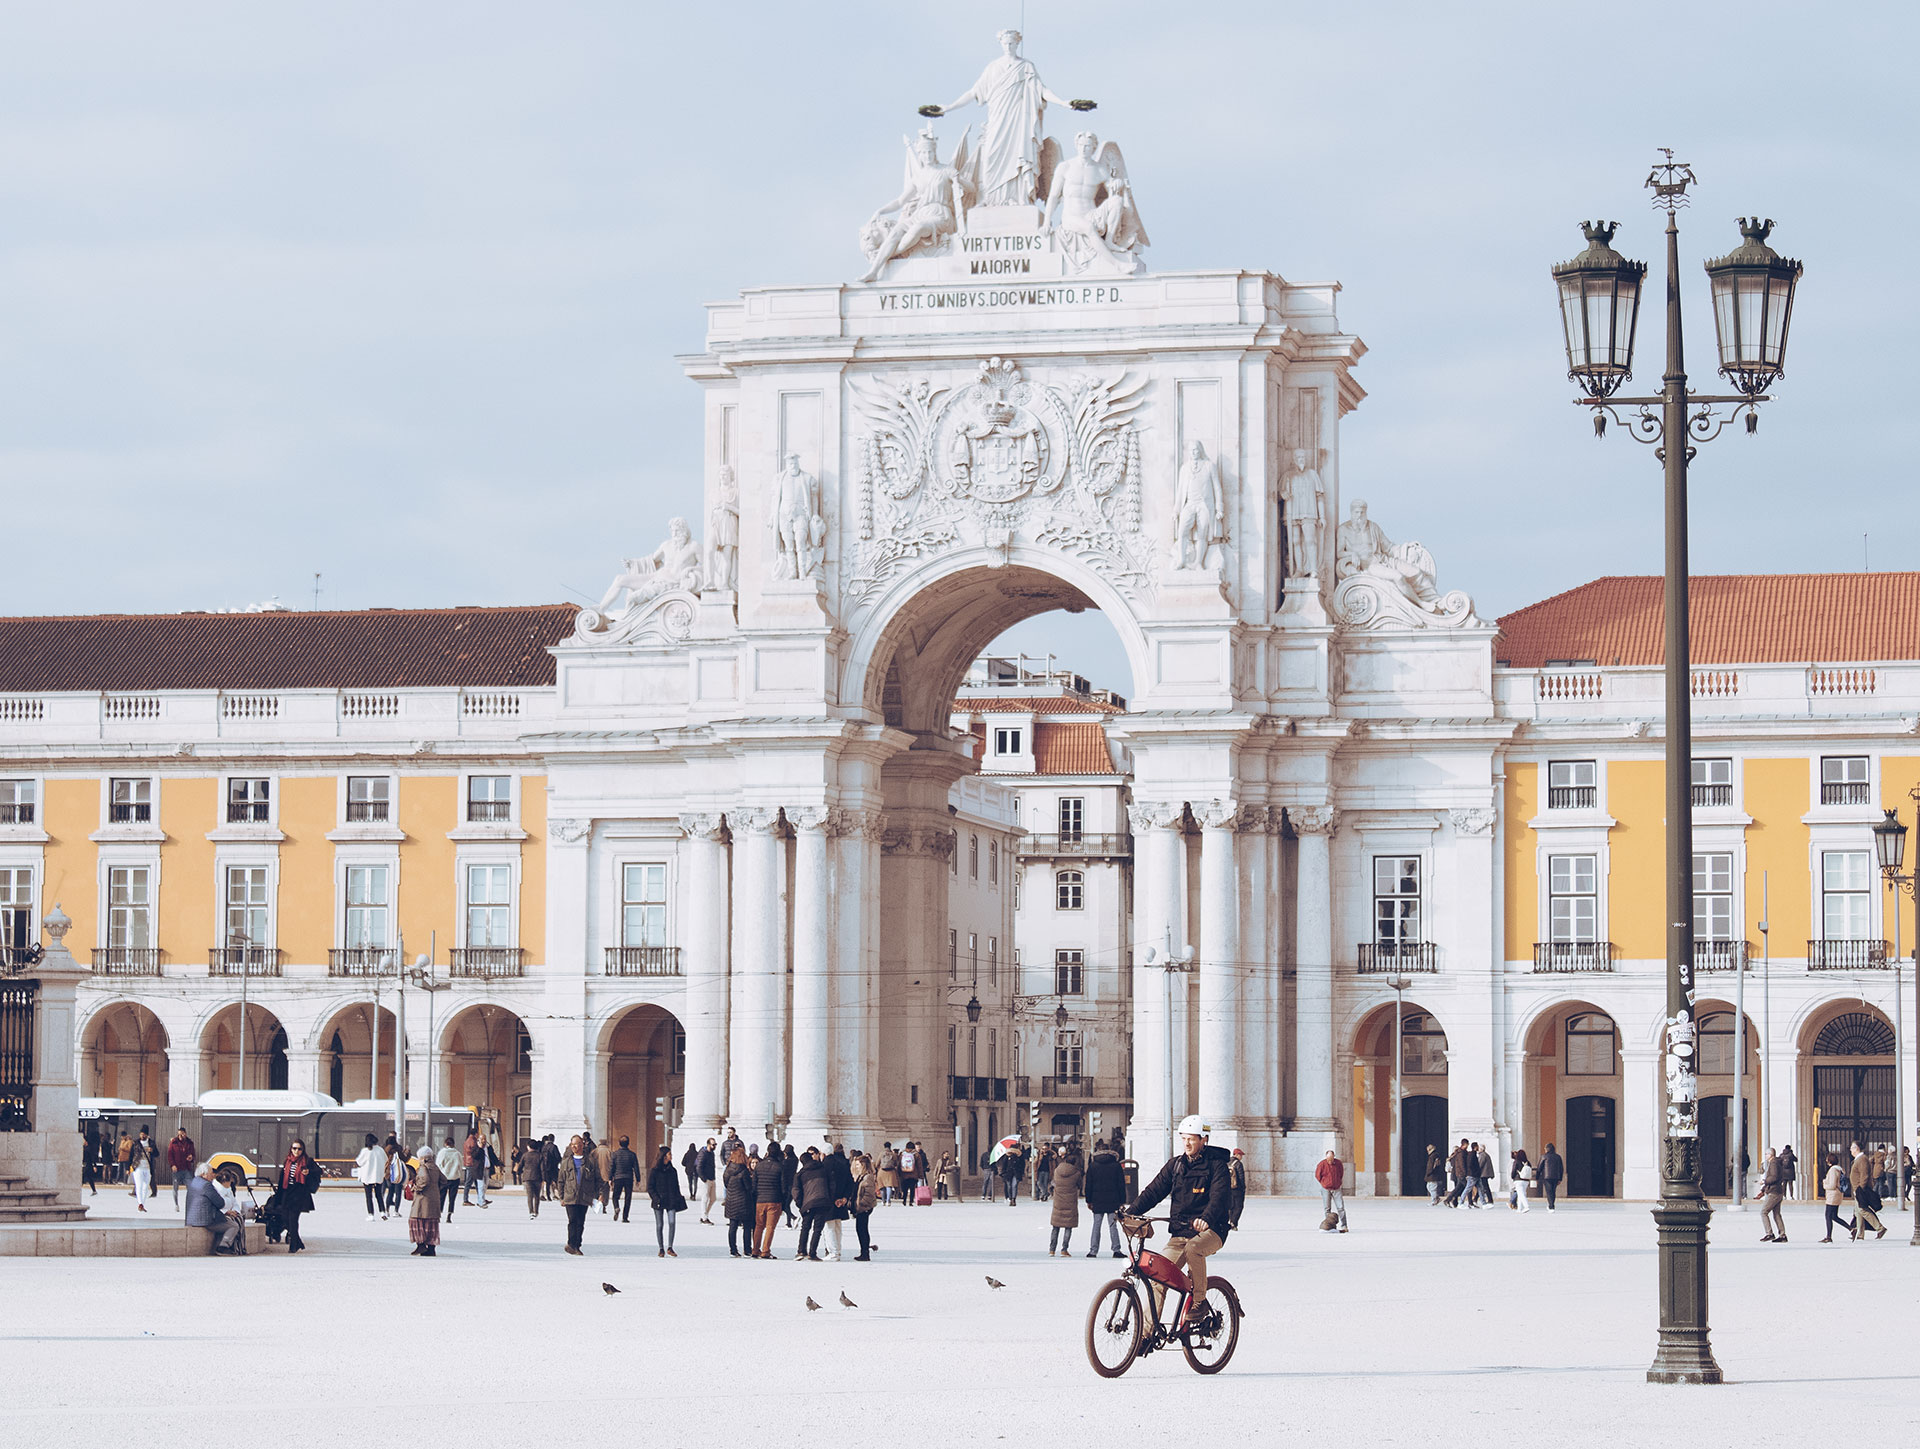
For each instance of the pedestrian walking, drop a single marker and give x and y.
(623, 1170)
(1106, 1193)
(1063, 1191)
(690, 1164)
(663, 1195)
(1436, 1175)
(789, 1170)
(1866, 1198)
(550, 1164)
(123, 1158)
(1551, 1170)
(866, 1197)
(1483, 1170)
(768, 1199)
(477, 1162)
(1330, 1174)
(90, 1159)
(368, 1170)
(299, 1176)
(1461, 1173)
(1835, 1185)
(709, 1167)
(533, 1162)
(603, 1166)
(737, 1205)
(451, 1164)
(1906, 1175)
(1011, 1166)
(429, 1186)
(945, 1178)
(1789, 1168)
(1772, 1190)
(1236, 1188)
(140, 1168)
(1522, 1180)
(840, 1186)
(889, 1172)
(578, 1186)
(989, 1179)
(1043, 1173)
(181, 1159)
(397, 1173)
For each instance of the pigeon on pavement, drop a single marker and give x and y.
(608, 1289)
(812, 1307)
(846, 1302)
(993, 1282)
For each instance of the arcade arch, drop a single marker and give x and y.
(1571, 1091)
(355, 1065)
(484, 1060)
(123, 1054)
(643, 1052)
(1717, 1045)
(1846, 1073)
(264, 1042)
(1423, 1097)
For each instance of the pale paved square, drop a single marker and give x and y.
(1421, 1326)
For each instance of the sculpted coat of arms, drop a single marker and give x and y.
(1001, 457)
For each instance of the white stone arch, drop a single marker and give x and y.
(94, 1016)
(1802, 1030)
(959, 638)
(1536, 1009)
(607, 1017)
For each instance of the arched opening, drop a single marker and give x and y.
(1847, 1065)
(646, 1065)
(123, 1053)
(1721, 1143)
(263, 1042)
(348, 1050)
(485, 1062)
(1572, 1090)
(1423, 1098)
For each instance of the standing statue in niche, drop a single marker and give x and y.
(931, 206)
(723, 536)
(1199, 511)
(1007, 166)
(1304, 496)
(673, 566)
(1364, 548)
(1098, 225)
(799, 532)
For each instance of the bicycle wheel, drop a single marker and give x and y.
(1211, 1344)
(1114, 1327)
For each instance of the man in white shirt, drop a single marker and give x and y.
(451, 1164)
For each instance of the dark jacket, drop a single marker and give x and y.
(789, 1170)
(296, 1192)
(663, 1189)
(1192, 1187)
(205, 1207)
(1436, 1166)
(1774, 1179)
(738, 1181)
(705, 1164)
(1011, 1166)
(533, 1165)
(814, 1187)
(550, 1169)
(840, 1181)
(578, 1180)
(1484, 1168)
(1789, 1165)
(1552, 1169)
(625, 1167)
(766, 1180)
(1462, 1164)
(1236, 1189)
(1106, 1188)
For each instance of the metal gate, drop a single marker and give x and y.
(1856, 1105)
(16, 1055)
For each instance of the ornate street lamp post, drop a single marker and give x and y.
(1599, 306)
(1890, 843)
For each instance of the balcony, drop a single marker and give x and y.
(129, 812)
(16, 813)
(1059, 1088)
(1849, 792)
(362, 961)
(20, 958)
(1846, 955)
(243, 961)
(1572, 797)
(642, 961)
(1573, 955)
(244, 812)
(486, 963)
(977, 1089)
(1074, 846)
(1023, 1086)
(1705, 796)
(126, 960)
(1720, 955)
(479, 811)
(1387, 957)
(359, 810)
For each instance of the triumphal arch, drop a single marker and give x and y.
(1010, 412)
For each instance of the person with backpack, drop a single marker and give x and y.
(1789, 1168)
(1522, 1176)
(889, 1172)
(1552, 1169)
(690, 1164)
(1836, 1188)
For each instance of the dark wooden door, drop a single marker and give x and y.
(1590, 1146)
(1422, 1120)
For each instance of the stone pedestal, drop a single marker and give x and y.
(40, 1168)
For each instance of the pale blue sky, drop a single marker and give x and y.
(392, 293)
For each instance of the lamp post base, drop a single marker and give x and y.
(1684, 1355)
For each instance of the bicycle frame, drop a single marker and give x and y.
(1159, 1278)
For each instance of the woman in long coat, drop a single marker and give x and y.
(423, 1221)
(738, 1204)
(1065, 1217)
(299, 1176)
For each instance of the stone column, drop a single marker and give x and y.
(1156, 913)
(707, 969)
(1476, 1029)
(753, 1052)
(812, 978)
(1313, 979)
(1638, 1130)
(1220, 969)
(48, 1155)
(853, 1029)
(303, 1069)
(559, 1086)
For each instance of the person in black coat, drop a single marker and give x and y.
(1106, 1194)
(737, 1180)
(663, 1193)
(1552, 1168)
(299, 1176)
(767, 1197)
(1236, 1187)
(814, 1187)
(789, 1170)
(623, 1168)
(1195, 1188)
(1436, 1175)
(840, 1184)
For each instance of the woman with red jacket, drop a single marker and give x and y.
(299, 1176)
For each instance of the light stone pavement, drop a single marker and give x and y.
(1420, 1327)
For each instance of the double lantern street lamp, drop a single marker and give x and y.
(1599, 308)
(1890, 844)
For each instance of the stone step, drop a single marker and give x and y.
(42, 1213)
(27, 1197)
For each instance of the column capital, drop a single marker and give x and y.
(1478, 821)
(703, 824)
(1154, 815)
(935, 841)
(857, 824)
(566, 831)
(814, 819)
(1313, 819)
(760, 819)
(1219, 815)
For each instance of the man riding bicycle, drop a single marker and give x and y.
(1196, 1189)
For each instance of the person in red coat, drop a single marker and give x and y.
(182, 1159)
(1330, 1174)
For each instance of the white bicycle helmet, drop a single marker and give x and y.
(1194, 1126)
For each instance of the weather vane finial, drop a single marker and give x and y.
(1669, 181)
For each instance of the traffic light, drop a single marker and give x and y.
(660, 1110)
(1094, 1118)
(1033, 1118)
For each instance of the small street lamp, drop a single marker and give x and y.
(973, 1010)
(1398, 985)
(1599, 293)
(1170, 958)
(1890, 844)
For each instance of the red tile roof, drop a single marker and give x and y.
(1071, 749)
(299, 649)
(1033, 704)
(1736, 619)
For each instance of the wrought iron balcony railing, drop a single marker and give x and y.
(1708, 795)
(20, 958)
(129, 812)
(489, 810)
(1719, 955)
(246, 812)
(1846, 955)
(1387, 957)
(1075, 845)
(642, 961)
(362, 961)
(1848, 792)
(1573, 955)
(16, 812)
(126, 960)
(243, 961)
(366, 810)
(1068, 1087)
(486, 962)
(1572, 797)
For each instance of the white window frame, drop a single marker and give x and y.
(387, 906)
(1591, 842)
(1417, 898)
(36, 898)
(973, 855)
(1549, 766)
(345, 793)
(1078, 885)
(1599, 914)
(993, 863)
(125, 857)
(1074, 960)
(1866, 893)
(224, 864)
(662, 863)
(1008, 741)
(464, 861)
(486, 829)
(1069, 1055)
(1076, 806)
(1871, 784)
(1707, 892)
(273, 782)
(152, 802)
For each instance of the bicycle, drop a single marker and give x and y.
(1117, 1322)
